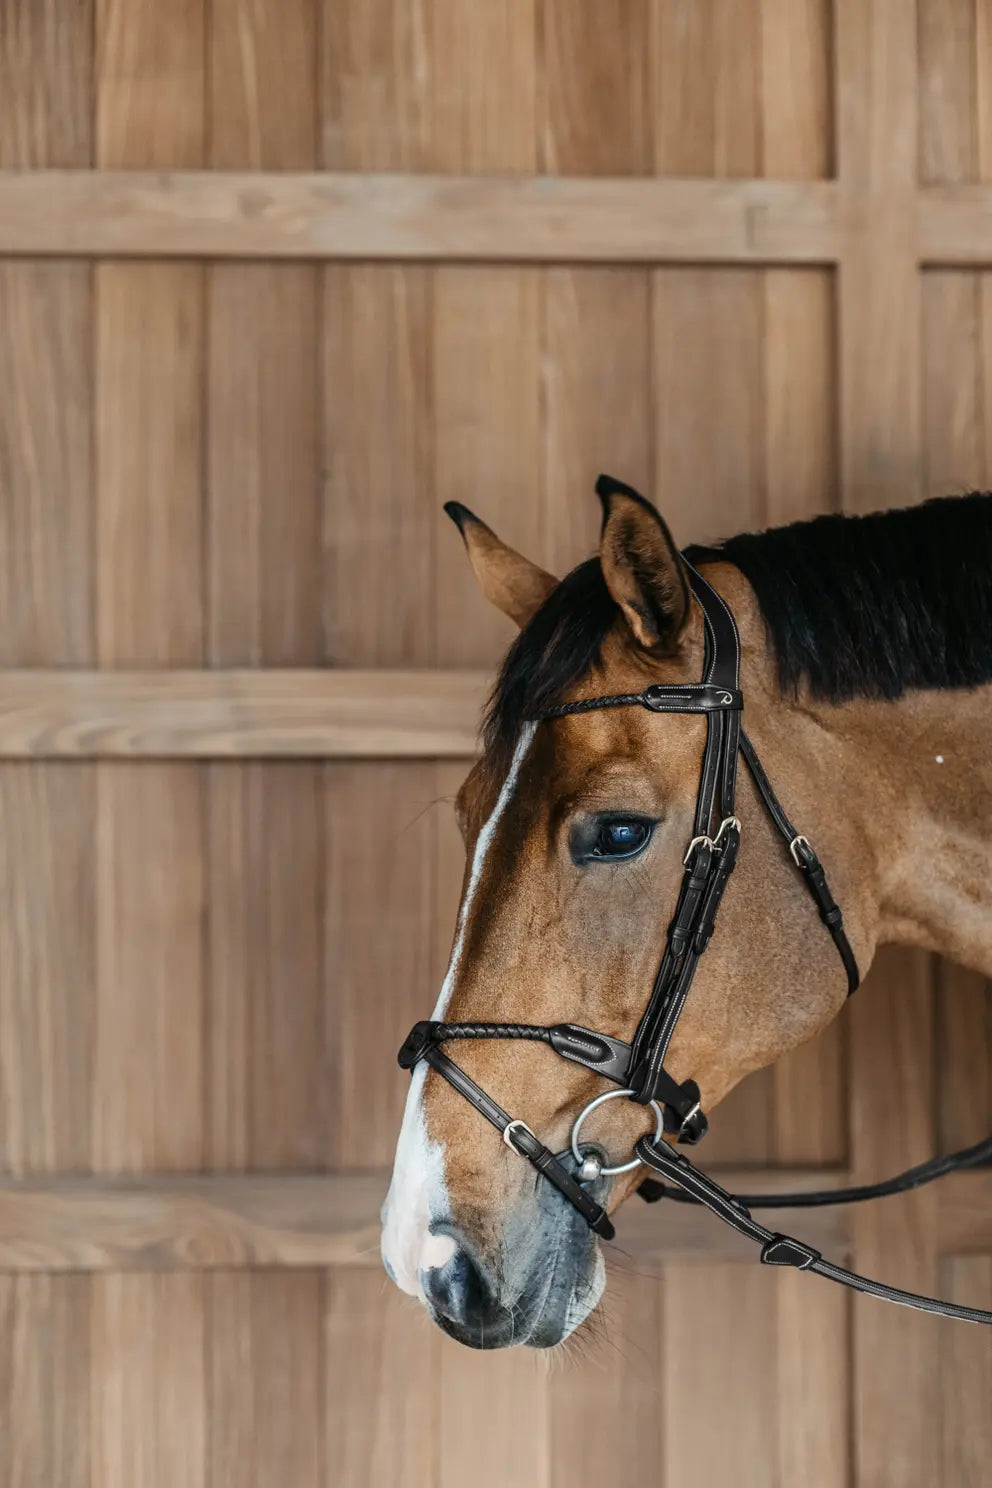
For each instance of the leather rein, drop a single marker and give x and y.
(637, 1070)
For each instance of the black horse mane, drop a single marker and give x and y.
(871, 606)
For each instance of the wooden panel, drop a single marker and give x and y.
(508, 1441)
(354, 216)
(707, 390)
(483, 86)
(267, 1075)
(263, 84)
(46, 594)
(594, 88)
(148, 463)
(150, 84)
(148, 1059)
(610, 1392)
(707, 84)
(378, 946)
(204, 1222)
(263, 508)
(47, 967)
(596, 401)
(46, 57)
(723, 1318)
(487, 403)
(44, 1397)
(381, 1383)
(223, 714)
(380, 505)
(949, 80)
(966, 1377)
(148, 1406)
(264, 1380)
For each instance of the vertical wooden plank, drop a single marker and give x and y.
(376, 85)
(46, 61)
(45, 464)
(487, 421)
(263, 84)
(483, 86)
(709, 414)
(606, 1403)
(800, 402)
(812, 1391)
(263, 483)
(148, 1392)
(796, 88)
(46, 966)
(725, 1431)
(148, 1099)
(44, 1369)
(378, 917)
(46, 812)
(594, 101)
(953, 376)
(263, 490)
(267, 1090)
(706, 85)
(494, 1415)
(381, 1408)
(381, 509)
(149, 452)
(948, 79)
(597, 381)
(150, 72)
(148, 1096)
(964, 1056)
(264, 1383)
(966, 1377)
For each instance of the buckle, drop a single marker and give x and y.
(508, 1131)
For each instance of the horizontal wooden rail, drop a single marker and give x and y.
(955, 225)
(203, 1222)
(221, 214)
(328, 714)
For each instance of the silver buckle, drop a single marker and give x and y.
(509, 1129)
(793, 845)
(725, 826)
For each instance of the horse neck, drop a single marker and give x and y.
(914, 778)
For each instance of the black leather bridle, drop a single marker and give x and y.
(638, 1068)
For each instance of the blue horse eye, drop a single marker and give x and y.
(621, 838)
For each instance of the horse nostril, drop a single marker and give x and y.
(461, 1290)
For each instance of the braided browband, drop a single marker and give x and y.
(697, 697)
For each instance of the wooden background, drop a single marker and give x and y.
(277, 278)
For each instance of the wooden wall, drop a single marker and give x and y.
(277, 278)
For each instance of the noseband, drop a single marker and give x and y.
(638, 1068)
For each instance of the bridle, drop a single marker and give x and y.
(638, 1069)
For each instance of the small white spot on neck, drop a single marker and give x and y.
(939, 758)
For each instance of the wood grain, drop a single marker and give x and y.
(377, 981)
(174, 713)
(148, 1421)
(218, 214)
(381, 1386)
(264, 1380)
(267, 1092)
(294, 1220)
(44, 1381)
(46, 61)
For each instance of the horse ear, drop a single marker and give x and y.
(642, 567)
(508, 580)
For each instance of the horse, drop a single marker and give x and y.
(865, 658)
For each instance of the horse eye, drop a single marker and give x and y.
(621, 837)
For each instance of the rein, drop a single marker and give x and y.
(638, 1068)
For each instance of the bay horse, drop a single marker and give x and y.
(865, 659)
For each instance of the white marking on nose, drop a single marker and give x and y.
(436, 1251)
(418, 1194)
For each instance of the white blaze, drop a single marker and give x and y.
(418, 1193)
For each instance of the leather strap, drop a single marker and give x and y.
(785, 1250)
(523, 1140)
